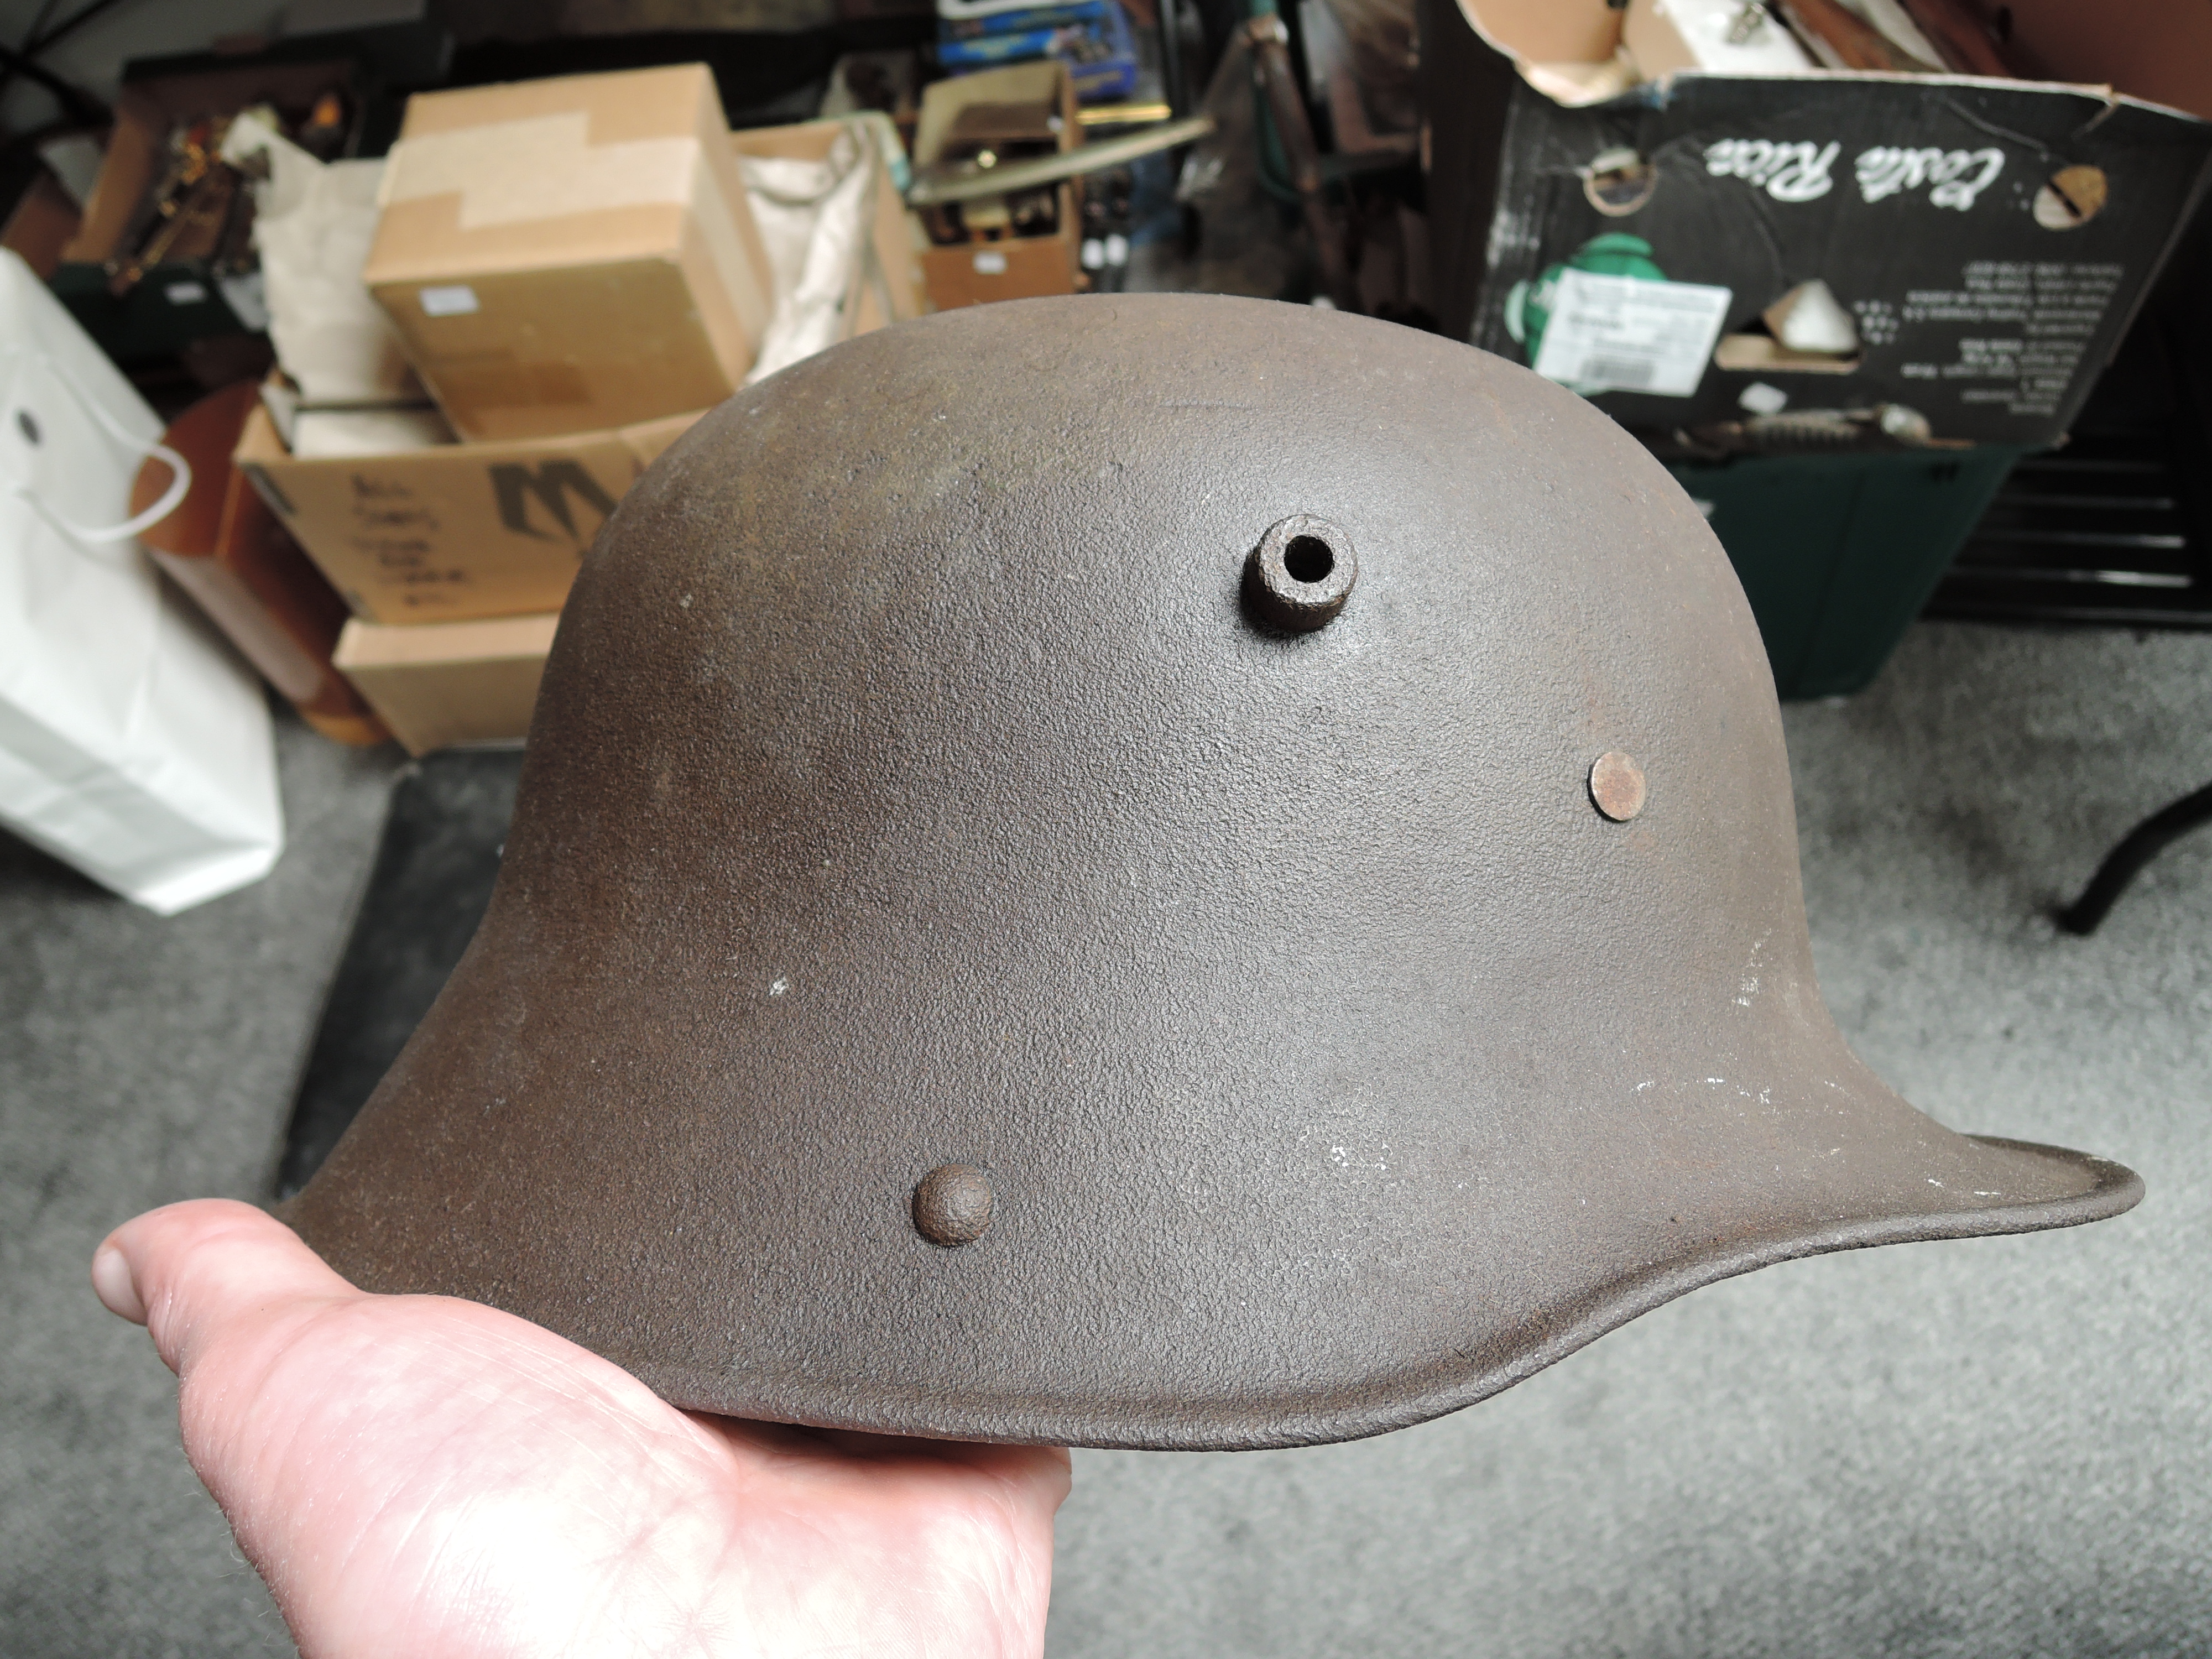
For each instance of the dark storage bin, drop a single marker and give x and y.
(174, 304)
(182, 301)
(1837, 553)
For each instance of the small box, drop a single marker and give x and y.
(1005, 267)
(452, 531)
(1091, 37)
(450, 683)
(887, 282)
(571, 255)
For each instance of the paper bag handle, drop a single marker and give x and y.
(180, 472)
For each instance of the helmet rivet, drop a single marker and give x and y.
(1616, 786)
(1301, 574)
(953, 1206)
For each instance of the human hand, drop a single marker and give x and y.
(429, 1477)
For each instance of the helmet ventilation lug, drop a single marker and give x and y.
(1298, 577)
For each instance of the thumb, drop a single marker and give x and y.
(192, 1272)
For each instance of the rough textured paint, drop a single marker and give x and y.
(909, 788)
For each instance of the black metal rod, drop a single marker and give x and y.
(78, 104)
(1271, 68)
(2138, 847)
(30, 40)
(1171, 58)
(69, 25)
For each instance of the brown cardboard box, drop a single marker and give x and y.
(471, 530)
(1012, 268)
(41, 224)
(570, 255)
(450, 683)
(455, 530)
(1020, 269)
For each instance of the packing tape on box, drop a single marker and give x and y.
(540, 167)
(546, 166)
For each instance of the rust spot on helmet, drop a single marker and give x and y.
(1616, 786)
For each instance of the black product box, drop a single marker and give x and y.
(1988, 239)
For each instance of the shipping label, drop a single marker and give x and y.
(1630, 334)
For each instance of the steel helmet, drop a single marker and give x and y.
(1165, 872)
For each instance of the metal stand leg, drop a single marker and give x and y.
(2141, 845)
(1270, 69)
(1171, 80)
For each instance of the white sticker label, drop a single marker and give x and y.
(1626, 334)
(988, 264)
(457, 299)
(184, 293)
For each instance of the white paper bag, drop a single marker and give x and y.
(133, 743)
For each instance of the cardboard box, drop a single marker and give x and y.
(43, 222)
(887, 285)
(570, 255)
(460, 530)
(1989, 239)
(1012, 267)
(224, 547)
(455, 530)
(450, 683)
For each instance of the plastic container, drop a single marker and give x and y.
(1838, 553)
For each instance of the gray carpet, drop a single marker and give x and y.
(143, 1061)
(2000, 1447)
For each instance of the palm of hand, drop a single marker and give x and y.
(431, 1477)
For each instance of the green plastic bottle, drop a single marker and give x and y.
(1529, 305)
